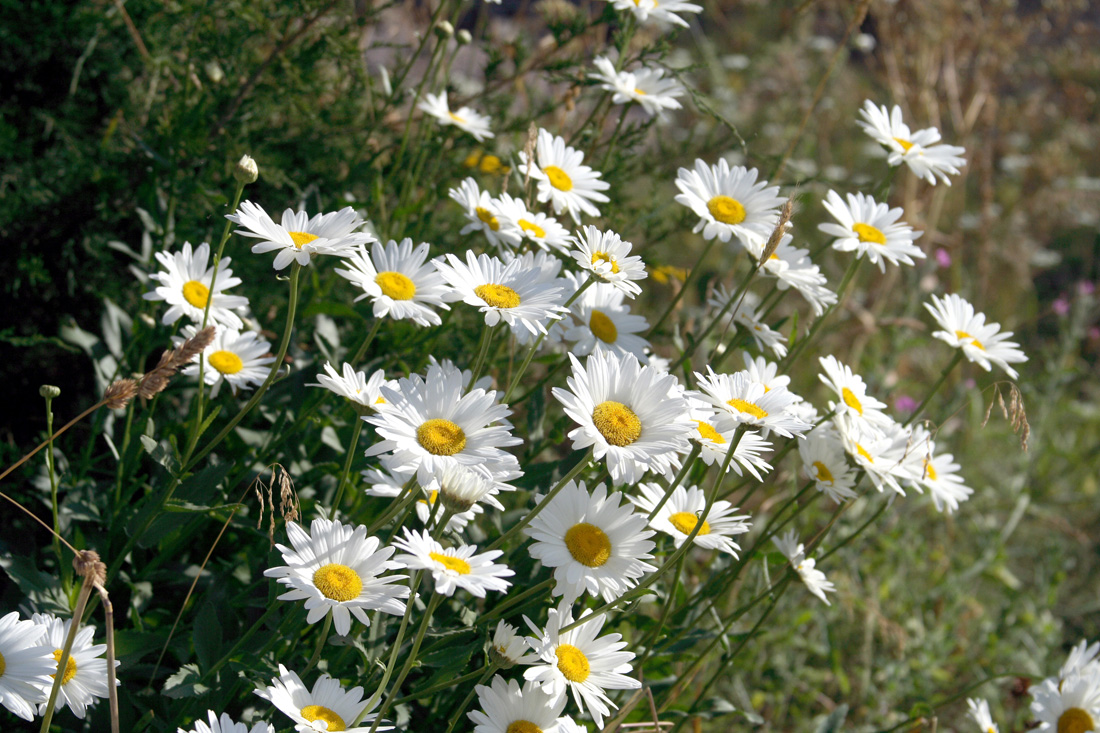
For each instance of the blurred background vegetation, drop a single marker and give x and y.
(120, 124)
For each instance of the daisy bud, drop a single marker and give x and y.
(463, 37)
(444, 29)
(246, 171)
(507, 649)
(460, 488)
(49, 391)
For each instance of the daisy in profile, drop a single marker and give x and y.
(766, 373)
(885, 456)
(226, 724)
(982, 343)
(299, 237)
(508, 708)
(608, 258)
(793, 268)
(729, 201)
(466, 119)
(580, 661)
(683, 512)
(354, 385)
(483, 215)
(562, 177)
(871, 229)
(794, 551)
(632, 415)
(937, 473)
(664, 11)
(327, 707)
(336, 568)
(185, 285)
(596, 543)
(746, 315)
(85, 677)
(978, 710)
(823, 463)
(921, 150)
(453, 567)
(238, 358)
(742, 401)
(508, 648)
(398, 282)
(856, 406)
(648, 87)
(602, 323)
(432, 422)
(715, 445)
(507, 293)
(542, 230)
(29, 665)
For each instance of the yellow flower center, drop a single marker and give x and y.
(851, 400)
(491, 164)
(868, 233)
(686, 521)
(639, 92)
(301, 238)
(70, 667)
(905, 144)
(973, 341)
(380, 401)
(1074, 720)
(313, 713)
(863, 452)
(749, 407)
(487, 217)
(472, 159)
(532, 228)
(572, 663)
(498, 296)
(823, 472)
(431, 498)
(440, 437)
(3, 665)
(522, 726)
(726, 210)
(226, 362)
(338, 582)
(395, 285)
(605, 257)
(456, 118)
(196, 293)
(707, 431)
(603, 327)
(588, 544)
(929, 470)
(456, 564)
(559, 179)
(617, 423)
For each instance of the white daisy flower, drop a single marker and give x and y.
(729, 201)
(28, 665)
(742, 401)
(660, 12)
(299, 237)
(398, 282)
(483, 214)
(793, 268)
(511, 709)
(541, 229)
(354, 385)
(1081, 661)
(794, 551)
(226, 724)
(233, 356)
(921, 150)
(871, 229)
(682, 512)
(384, 482)
(746, 315)
(85, 676)
(766, 373)
(563, 179)
(336, 568)
(631, 414)
(548, 268)
(508, 648)
(185, 287)
(859, 408)
(327, 707)
(578, 661)
(1072, 705)
(823, 463)
(982, 343)
(607, 256)
(979, 711)
(453, 567)
(937, 473)
(646, 86)
(466, 119)
(431, 423)
(595, 543)
(885, 456)
(601, 323)
(715, 445)
(504, 292)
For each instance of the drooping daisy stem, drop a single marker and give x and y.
(63, 661)
(425, 622)
(457, 715)
(538, 342)
(683, 289)
(935, 387)
(849, 274)
(347, 469)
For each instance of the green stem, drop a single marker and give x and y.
(696, 448)
(853, 266)
(683, 289)
(734, 300)
(425, 622)
(457, 716)
(393, 652)
(51, 468)
(935, 387)
(518, 526)
(347, 468)
(515, 599)
(442, 686)
(362, 350)
(408, 496)
(320, 644)
(63, 660)
(651, 638)
(483, 350)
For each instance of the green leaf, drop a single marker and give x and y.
(451, 660)
(185, 683)
(835, 720)
(208, 635)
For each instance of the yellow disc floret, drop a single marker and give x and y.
(487, 217)
(905, 144)
(588, 544)
(196, 293)
(603, 327)
(338, 582)
(726, 210)
(851, 400)
(456, 564)
(973, 341)
(929, 470)
(686, 521)
(70, 667)
(226, 362)
(823, 472)
(440, 437)
(617, 423)
(707, 431)
(559, 179)
(1075, 720)
(522, 726)
(313, 713)
(868, 233)
(748, 407)
(301, 238)
(572, 663)
(498, 296)
(395, 285)
(605, 257)
(863, 452)
(532, 228)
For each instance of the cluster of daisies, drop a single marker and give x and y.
(30, 653)
(1068, 702)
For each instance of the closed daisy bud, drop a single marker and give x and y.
(246, 170)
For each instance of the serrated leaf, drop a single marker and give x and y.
(209, 419)
(452, 661)
(185, 683)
